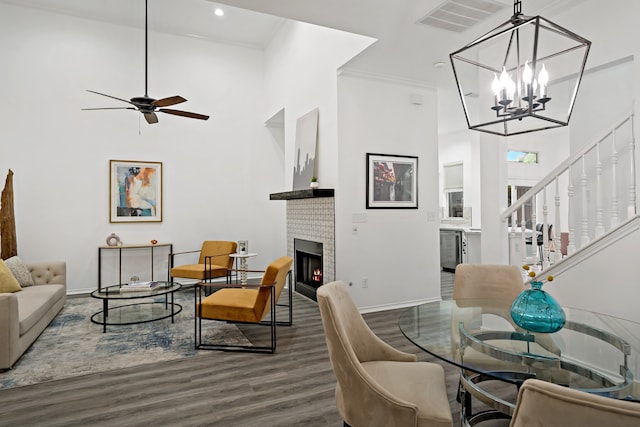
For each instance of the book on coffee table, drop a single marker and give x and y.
(139, 286)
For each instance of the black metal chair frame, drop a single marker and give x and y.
(540, 239)
(199, 345)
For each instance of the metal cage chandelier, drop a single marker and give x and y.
(522, 76)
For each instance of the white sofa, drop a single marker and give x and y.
(26, 313)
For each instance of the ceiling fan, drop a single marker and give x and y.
(145, 104)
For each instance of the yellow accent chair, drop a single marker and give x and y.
(243, 303)
(214, 261)
(377, 384)
(544, 404)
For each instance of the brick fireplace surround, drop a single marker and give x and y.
(311, 216)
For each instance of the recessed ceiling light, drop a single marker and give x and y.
(218, 12)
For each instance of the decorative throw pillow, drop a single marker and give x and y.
(20, 271)
(8, 283)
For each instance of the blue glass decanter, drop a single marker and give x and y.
(536, 311)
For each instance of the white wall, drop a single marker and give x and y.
(397, 250)
(217, 174)
(300, 75)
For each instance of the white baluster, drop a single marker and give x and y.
(523, 241)
(571, 247)
(557, 240)
(614, 182)
(512, 233)
(534, 242)
(599, 231)
(631, 210)
(584, 239)
(545, 230)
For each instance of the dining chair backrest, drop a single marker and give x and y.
(487, 282)
(544, 404)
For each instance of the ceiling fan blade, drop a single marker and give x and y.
(165, 102)
(110, 108)
(151, 118)
(184, 113)
(109, 96)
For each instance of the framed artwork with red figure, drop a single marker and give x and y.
(392, 181)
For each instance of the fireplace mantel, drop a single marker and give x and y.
(311, 216)
(310, 193)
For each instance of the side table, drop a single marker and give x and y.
(121, 248)
(243, 265)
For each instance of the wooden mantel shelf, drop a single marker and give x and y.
(309, 193)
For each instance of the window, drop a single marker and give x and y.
(522, 156)
(455, 203)
(453, 189)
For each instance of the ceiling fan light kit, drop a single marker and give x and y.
(522, 76)
(145, 104)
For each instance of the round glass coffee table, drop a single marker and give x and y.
(143, 306)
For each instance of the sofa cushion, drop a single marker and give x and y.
(20, 271)
(34, 302)
(8, 282)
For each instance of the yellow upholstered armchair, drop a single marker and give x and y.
(214, 261)
(377, 384)
(243, 303)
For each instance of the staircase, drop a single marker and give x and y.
(588, 201)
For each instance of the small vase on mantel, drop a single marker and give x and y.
(314, 183)
(536, 311)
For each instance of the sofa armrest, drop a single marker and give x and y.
(48, 273)
(9, 329)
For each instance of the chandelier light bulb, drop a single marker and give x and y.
(543, 80)
(495, 85)
(507, 86)
(527, 74)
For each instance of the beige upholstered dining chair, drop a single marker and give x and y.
(544, 404)
(490, 290)
(377, 384)
(492, 287)
(487, 282)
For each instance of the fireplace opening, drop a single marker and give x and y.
(308, 261)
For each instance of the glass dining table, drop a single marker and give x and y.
(593, 352)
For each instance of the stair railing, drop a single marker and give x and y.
(588, 189)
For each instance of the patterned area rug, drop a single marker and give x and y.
(72, 345)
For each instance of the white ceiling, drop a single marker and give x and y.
(183, 17)
(405, 48)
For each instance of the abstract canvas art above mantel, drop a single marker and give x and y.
(305, 150)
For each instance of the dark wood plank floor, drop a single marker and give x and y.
(293, 387)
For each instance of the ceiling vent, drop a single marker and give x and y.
(460, 15)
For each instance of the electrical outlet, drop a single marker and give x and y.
(365, 282)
